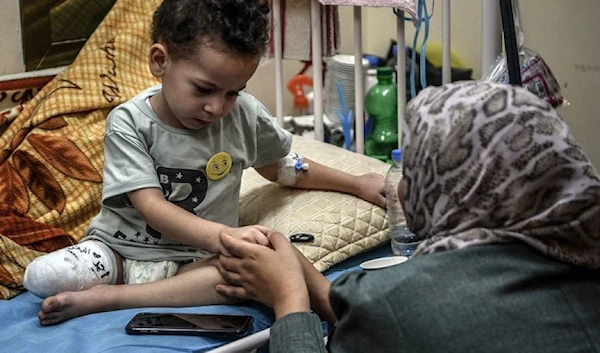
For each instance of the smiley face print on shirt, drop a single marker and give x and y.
(218, 166)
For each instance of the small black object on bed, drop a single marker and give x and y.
(301, 238)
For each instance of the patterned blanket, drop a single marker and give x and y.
(51, 153)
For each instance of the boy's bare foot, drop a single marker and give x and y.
(67, 305)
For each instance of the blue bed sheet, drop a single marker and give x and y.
(105, 332)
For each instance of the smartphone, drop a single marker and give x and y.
(189, 324)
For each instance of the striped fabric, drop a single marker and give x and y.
(296, 30)
(408, 6)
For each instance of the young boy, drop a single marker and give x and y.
(174, 157)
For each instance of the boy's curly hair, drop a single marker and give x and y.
(241, 25)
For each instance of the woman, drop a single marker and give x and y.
(508, 208)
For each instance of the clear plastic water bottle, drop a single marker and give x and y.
(403, 241)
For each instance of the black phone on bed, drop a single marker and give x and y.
(189, 324)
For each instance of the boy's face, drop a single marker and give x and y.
(201, 88)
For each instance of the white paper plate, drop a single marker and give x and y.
(348, 59)
(383, 262)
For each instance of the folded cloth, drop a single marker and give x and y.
(296, 30)
(408, 6)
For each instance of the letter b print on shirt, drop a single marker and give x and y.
(185, 188)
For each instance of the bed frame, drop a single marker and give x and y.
(491, 48)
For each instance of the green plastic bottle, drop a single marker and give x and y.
(381, 105)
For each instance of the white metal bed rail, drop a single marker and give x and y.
(491, 47)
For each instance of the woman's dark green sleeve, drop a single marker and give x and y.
(297, 333)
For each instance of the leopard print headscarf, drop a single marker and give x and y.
(488, 163)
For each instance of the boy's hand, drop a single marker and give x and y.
(253, 234)
(272, 275)
(370, 187)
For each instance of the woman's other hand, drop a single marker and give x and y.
(271, 275)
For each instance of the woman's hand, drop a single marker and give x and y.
(370, 187)
(272, 275)
(253, 234)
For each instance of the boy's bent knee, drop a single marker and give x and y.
(75, 268)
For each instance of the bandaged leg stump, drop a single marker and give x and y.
(75, 268)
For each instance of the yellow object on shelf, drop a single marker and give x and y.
(435, 57)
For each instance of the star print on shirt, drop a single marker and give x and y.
(173, 182)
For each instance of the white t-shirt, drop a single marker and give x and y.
(140, 151)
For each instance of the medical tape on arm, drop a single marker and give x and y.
(290, 169)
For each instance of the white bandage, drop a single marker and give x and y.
(75, 268)
(290, 169)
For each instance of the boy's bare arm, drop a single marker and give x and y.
(184, 226)
(320, 177)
